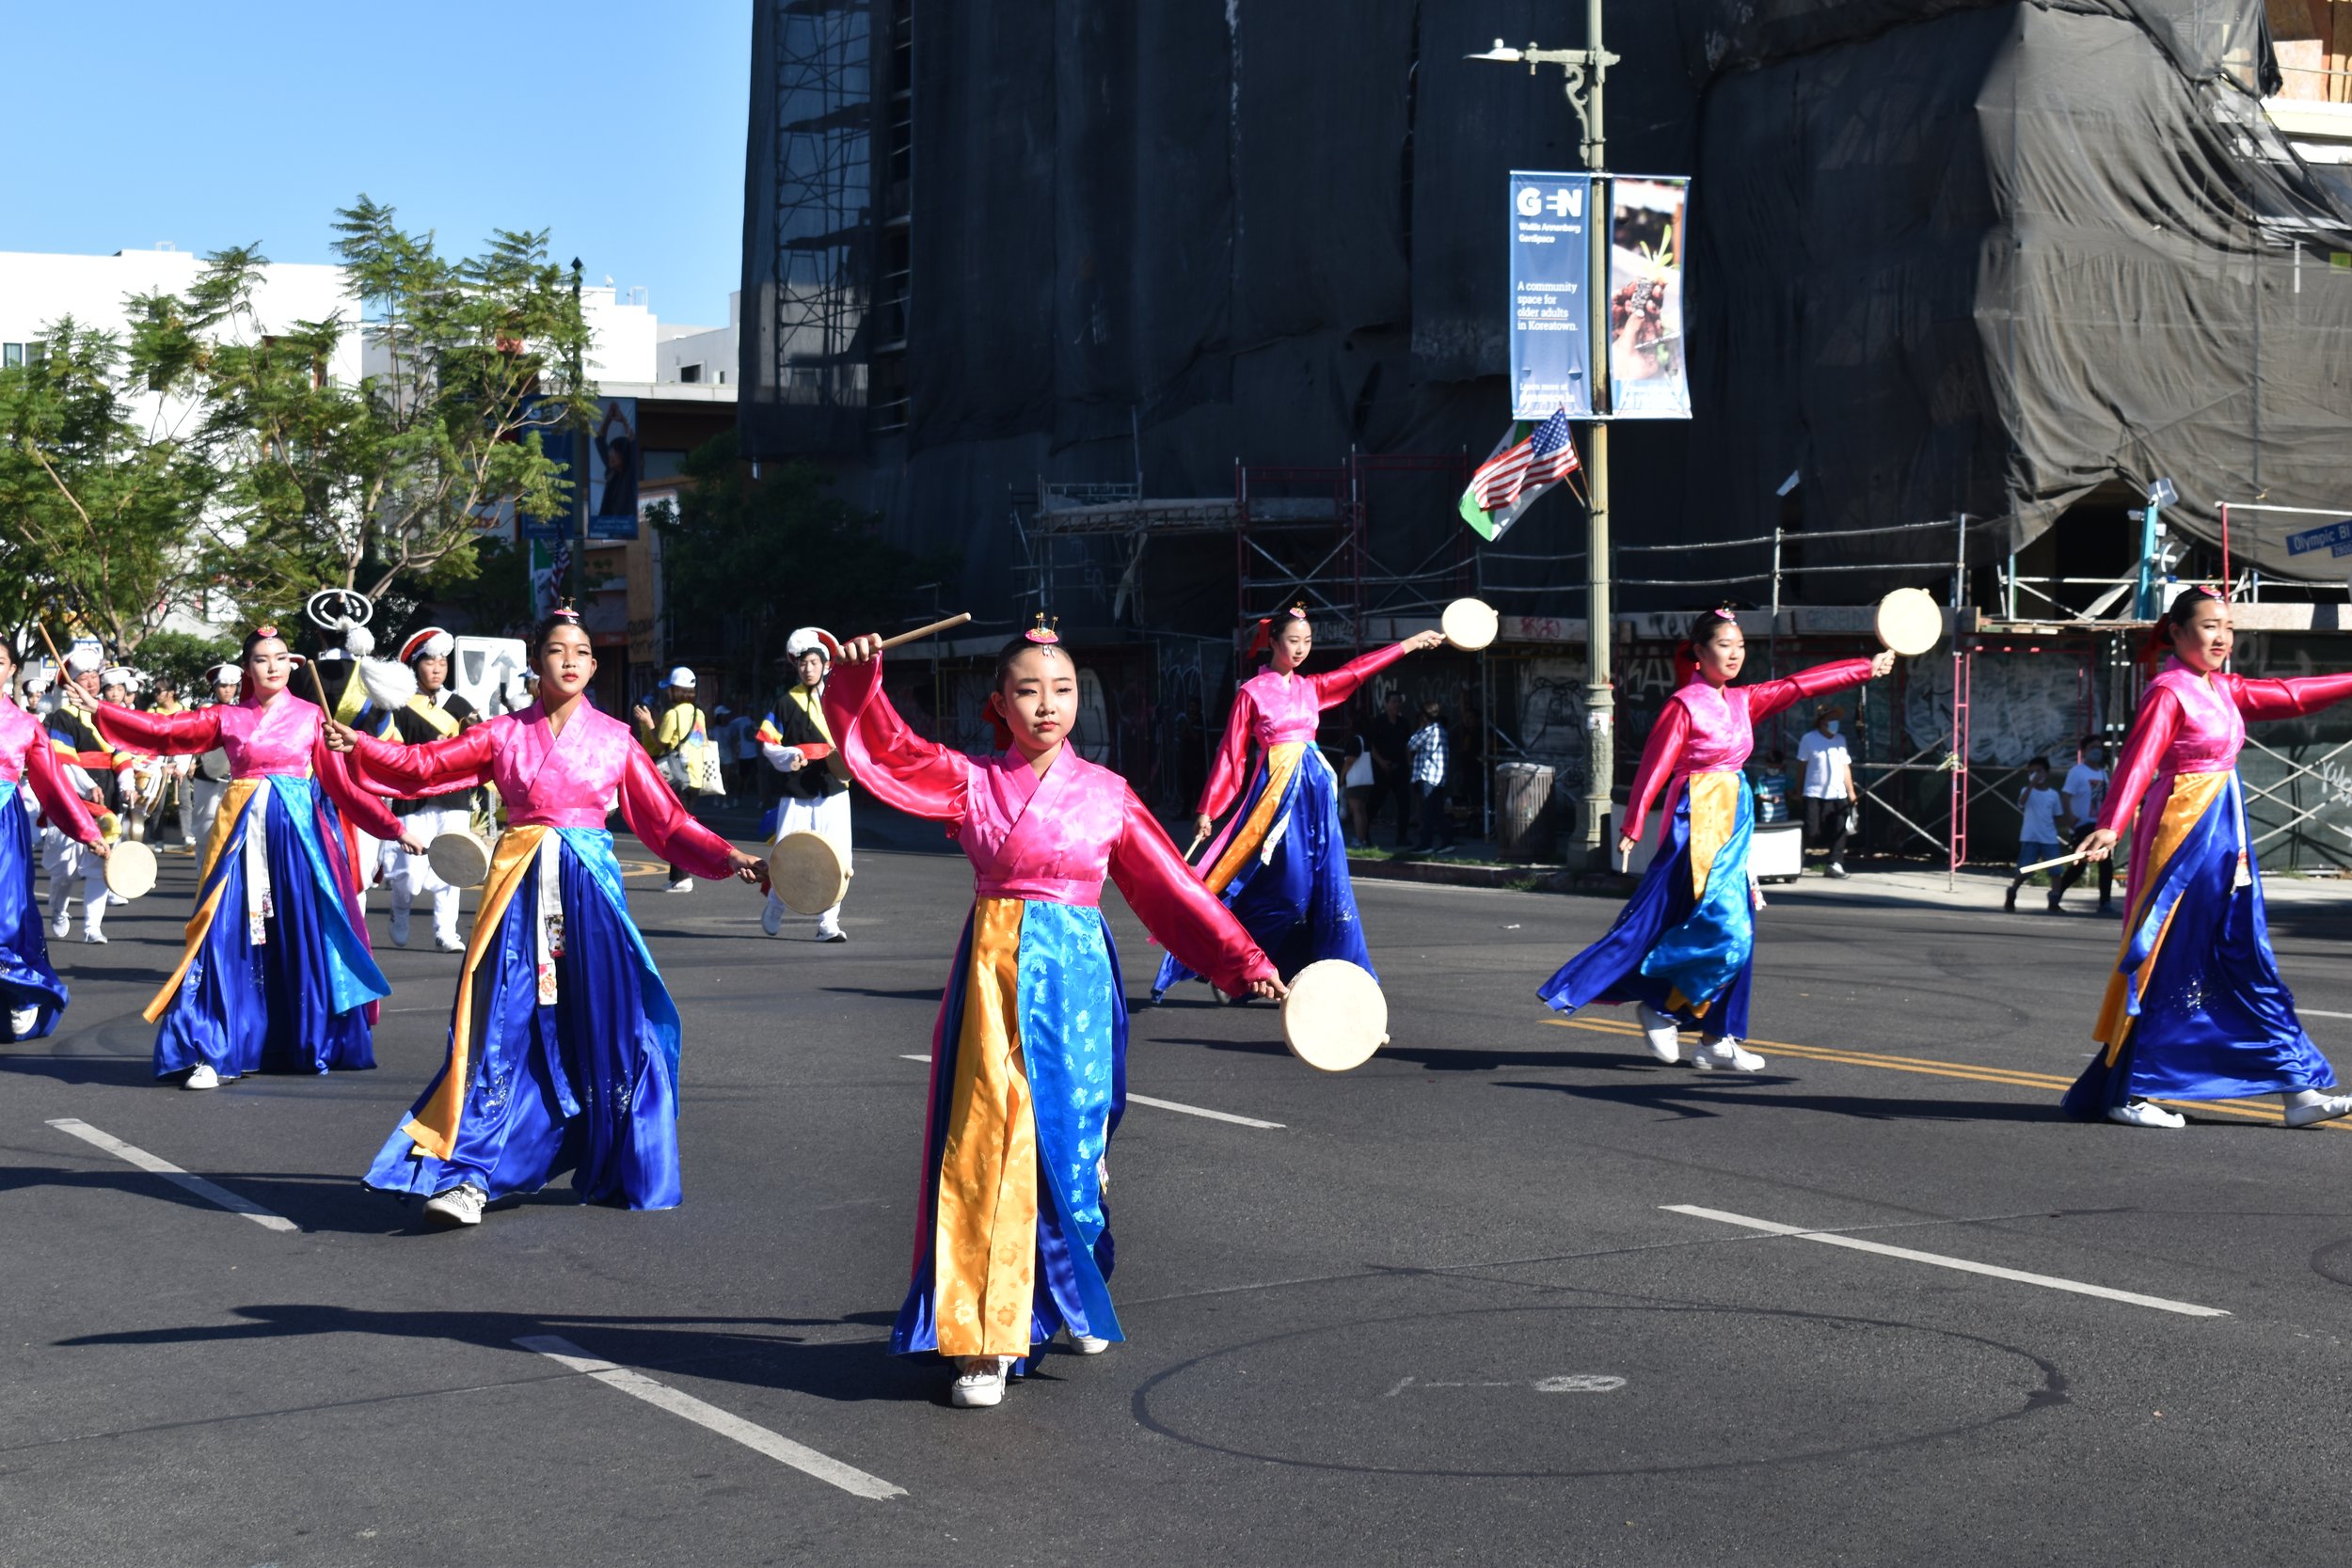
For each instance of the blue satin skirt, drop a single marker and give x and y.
(1298, 903)
(26, 978)
(300, 1001)
(1677, 951)
(2215, 1020)
(1071, 1027)
(586, 1084)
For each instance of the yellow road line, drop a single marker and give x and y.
(2011, 1077)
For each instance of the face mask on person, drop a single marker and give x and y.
(1830, 727)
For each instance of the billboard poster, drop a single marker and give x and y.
(1646, 219)
(562, 447)
(1551, 272)
(616, 471)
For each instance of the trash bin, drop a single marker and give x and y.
(1523, 819)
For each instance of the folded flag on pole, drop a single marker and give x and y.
(1522, 467)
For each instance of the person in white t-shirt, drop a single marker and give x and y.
(1829, 791)
(2047, 822)
(2085, 792)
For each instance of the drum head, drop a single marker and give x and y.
(1335, 1017)
(459, 857)
(131, 869)
(807, 873)
(1909, 622)
(1469, 625)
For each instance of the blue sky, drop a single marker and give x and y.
(618, 127)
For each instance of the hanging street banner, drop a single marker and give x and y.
(1550, 275)
(1646, 221)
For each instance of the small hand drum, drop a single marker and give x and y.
(131, 869)
(807, 872)
(1469, 625)
(1335, 1017)
(459, 857)
(1909, 622)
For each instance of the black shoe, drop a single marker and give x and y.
(2054, 904)
(2008, 905)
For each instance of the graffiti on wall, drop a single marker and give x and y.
(2020, 706)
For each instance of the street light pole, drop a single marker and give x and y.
(1587, 73)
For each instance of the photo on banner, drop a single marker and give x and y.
(1646, 231)
(1551, 254)
(617, 470)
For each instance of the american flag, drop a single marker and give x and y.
(1546, 457)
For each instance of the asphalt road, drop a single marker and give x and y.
(1445, 1311)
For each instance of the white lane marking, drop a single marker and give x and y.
(172, 1173)
(2051, 1282)
(1178, 1106)
(757, 1438)
(1571, 1383)
(2317, 1012)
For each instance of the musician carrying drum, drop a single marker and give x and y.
(434, 713)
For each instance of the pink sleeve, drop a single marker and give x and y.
(58, 802)
(660, 821)
(1177, 909)
(158, 735)
(1767, 698)
(365, 811)
(1659, 757)
(430, 768)
(2291, 698)
(1334, 687)
(900, 767)
(2153, 729)
(1230, 768)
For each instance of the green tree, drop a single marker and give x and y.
(763, 557)
(469, 377)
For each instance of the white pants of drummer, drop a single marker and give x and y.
(827, 816)
(199, 808)
(406, 876)
(72, 868)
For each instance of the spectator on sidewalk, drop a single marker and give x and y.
(1356, 775)
(2045, 821)
(1391, 769)
(1431, 768)
(1829, 791)
(2085, 792)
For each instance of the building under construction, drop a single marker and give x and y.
(1168, 316)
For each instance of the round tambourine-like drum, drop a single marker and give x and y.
(1909, 622)
(807, 872)
(1335, 1017)
(131, 869)
(1469, 625)
(459, 857)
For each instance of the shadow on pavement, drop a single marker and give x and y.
(723, 1349)
(1698, 1099)
(68, 1068)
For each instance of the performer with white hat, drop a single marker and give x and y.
(815, 792)
(679, 742)
(93, 768)
(209, 776)
(434, 713)
(360, 690)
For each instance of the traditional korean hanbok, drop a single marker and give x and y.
(2195, 1008)
(1028, 1057)
(1685, 942)
(563, 1043)
(31, 994)
(1281, 865)
(276, 975)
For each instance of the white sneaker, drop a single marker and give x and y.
(93, 936)
(460, 1204)
(1086, 1344)
(1659, 1030)
(980, 1384)
(1726, 1056)
(2140, 1112)
(400, 927)
(20, 1021)
(201, 1076)
(831, 933)
(2325, 1107)
(684, 884)
(59, 926)
(445, 943)
(771, 917)
(114, 897)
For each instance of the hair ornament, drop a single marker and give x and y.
(1043, 635)
(565, 611)
(1722, 614)
(265, 630)
(1298, 610)
(2208, 592)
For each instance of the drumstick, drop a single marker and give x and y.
(43, 628)
(1197, 840)
(921, 632)
(2044, 865)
